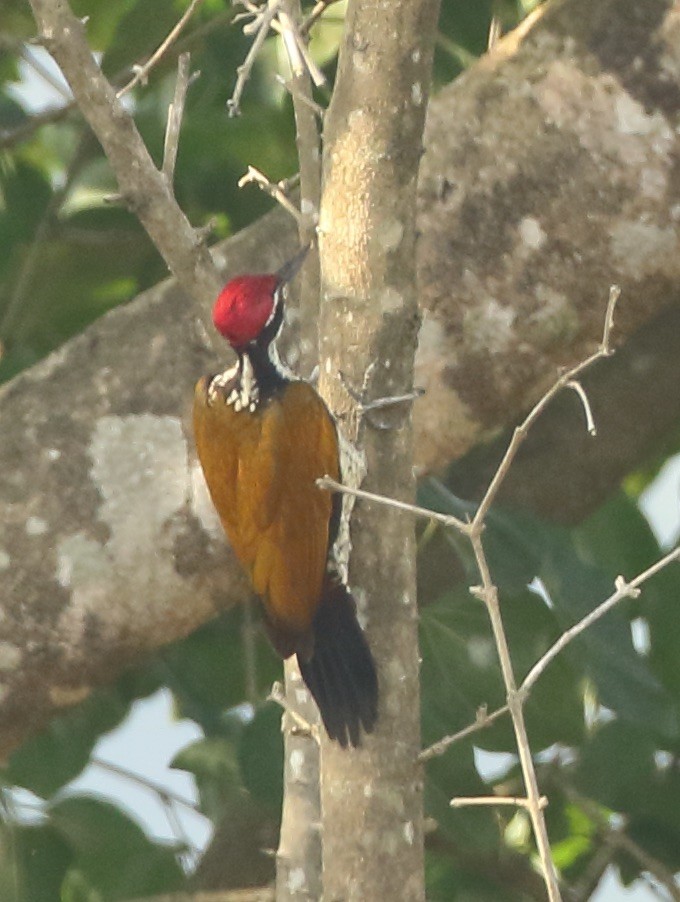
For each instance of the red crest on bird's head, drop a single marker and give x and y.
(246, 304)
(244, 307)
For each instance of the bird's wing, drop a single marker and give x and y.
(291, 559)
(261, 469)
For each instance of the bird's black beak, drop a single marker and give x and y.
(290, 269)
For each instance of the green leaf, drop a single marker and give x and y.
(207, 671)
(455, 774)
(624, 680)
(617, 759)
(214, 764)
(51, 759)
(33, 862)
(460, 671)
(24, 193)
(260, 756)
(77, 888)
(112, 851)
(513, 540)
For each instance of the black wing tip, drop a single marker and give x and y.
(341, 673)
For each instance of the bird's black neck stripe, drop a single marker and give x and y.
(267, 372)
(260, 371)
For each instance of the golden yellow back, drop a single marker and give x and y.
(261, 469)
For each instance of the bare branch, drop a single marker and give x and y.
(275, 191)
(143, 186)
(481, 721)
(298, 55)
(175, 113)
(319, 9)
(520, 433)
(446, 519)
(263, 22)
(152, 785)
(300, 841)
(142, 72)
(614, 295)
(489, 594)
(278, 695)
(516, 801)
(623, 590)
(495, 32)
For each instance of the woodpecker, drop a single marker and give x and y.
(263, 439)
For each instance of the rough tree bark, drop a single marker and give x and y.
(550, 171)
(368, 332)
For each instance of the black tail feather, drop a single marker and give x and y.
(341, 673)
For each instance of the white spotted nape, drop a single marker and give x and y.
(245, 394)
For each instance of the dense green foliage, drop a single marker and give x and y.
(604, 719)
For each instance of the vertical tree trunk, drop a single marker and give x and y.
(372, 797)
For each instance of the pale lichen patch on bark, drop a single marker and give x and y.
(531, 233)
(444, 435)
(143, 457)
(391, 301)
(36, 526)
(642, 247)
(613, 122)
(297, 763)
(140, 468)
(10, 656)
(201, 505)
(66, 696)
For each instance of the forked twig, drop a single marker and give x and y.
(275, 191)
(623, 590)
(520, 433)
(263, 22)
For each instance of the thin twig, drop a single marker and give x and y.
(447, 519)
(162, 791)
(139, 180)
(142, 72)
(516, 801)
(623, 590)
(175, 113)
(580, 391)
(264, 19)
(275, 191)
(482, 720)
(319, 9)
(316, 108)
(520, 433)
(489, 594)
(495, 32)
(296, 49)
